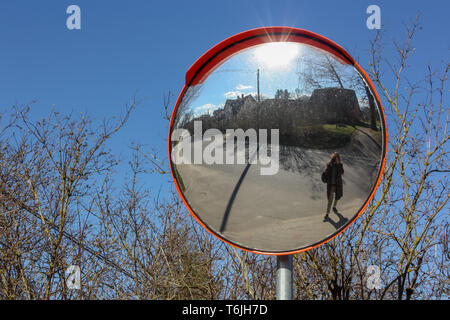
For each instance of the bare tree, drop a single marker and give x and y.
(400, 230)
(62, 204)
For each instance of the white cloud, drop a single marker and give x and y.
(243, 87)
(207, 107)
(235, 94)
(232, 94)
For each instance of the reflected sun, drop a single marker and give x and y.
(277, 55)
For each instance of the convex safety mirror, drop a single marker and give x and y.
(277, 141)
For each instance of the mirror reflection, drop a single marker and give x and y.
(279, 147)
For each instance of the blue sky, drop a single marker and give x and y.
(281, 66)
(146, 47)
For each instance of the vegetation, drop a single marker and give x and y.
(61, 205)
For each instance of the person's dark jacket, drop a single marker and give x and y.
(339, 188)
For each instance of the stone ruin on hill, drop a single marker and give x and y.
(293, 117)
(335, 105)
(327, 105)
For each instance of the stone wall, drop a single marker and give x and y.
(327, 105)
(334, 105)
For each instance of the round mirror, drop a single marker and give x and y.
(277, 141)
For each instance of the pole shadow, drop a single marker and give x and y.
(235, 192)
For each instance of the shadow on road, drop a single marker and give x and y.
(337, 224)
(235, 191)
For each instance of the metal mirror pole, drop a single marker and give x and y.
(284, 277)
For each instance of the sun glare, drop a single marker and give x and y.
(277, 54)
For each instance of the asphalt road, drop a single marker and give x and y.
(284, 211)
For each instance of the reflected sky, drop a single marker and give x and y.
(282, 65)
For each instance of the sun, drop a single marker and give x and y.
(277, 55)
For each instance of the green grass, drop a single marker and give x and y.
(326, 136)
(178, 177)
(377, 123)
(378, 137)
(345, 130)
